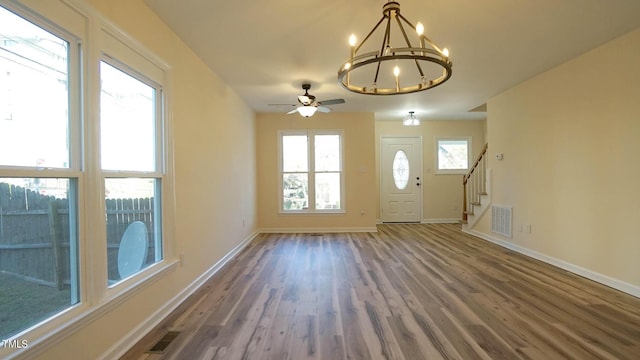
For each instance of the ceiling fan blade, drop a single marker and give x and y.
(292, 111)
(287, 105)
(331, 102)
(323, 109)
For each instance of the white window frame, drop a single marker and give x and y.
(121, 51)
(91, 39)
(159, 156)
(75, 172)
(310, 134)
(440, 171)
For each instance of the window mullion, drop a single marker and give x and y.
(312, 170)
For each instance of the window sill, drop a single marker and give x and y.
(123, 290)
(452, 172)
(323, 213)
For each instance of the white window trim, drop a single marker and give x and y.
(125, 53)
(310, 133)
(439, 171)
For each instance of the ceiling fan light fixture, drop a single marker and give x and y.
(419, 55)
(411, 120)
(307, 111)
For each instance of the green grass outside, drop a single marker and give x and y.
(24, 303)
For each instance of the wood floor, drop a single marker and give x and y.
(406, 292)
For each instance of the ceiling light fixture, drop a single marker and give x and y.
(307, 110)
(411, 120)
(423, 67)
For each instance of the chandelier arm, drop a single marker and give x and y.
(369, 35)
(406, 39)
(423, 36)
(432, 43)
(385, 43)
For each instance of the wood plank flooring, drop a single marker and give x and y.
(405, 292)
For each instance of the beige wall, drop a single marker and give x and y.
(215, 190)
(359, 171)
(571, 141)
(442, 193)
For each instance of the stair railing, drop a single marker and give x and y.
(474, 184)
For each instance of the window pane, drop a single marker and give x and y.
(294, 153)
(296, 191)
(127, 121)
(400, 168)
(38, 251)
(134, 239)
(328, 191)
(453, 154)
(327, 152)
(34, 95)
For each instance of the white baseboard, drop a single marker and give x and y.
(578, 270)
(317, 230)
(428, 221)
(130, 339)
(440, 221)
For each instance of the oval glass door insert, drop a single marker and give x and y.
(400, 170)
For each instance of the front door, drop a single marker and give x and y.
(401, 180)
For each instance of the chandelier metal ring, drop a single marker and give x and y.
(400, 54)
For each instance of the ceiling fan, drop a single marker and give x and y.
(309, 105)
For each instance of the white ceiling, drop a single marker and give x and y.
(265, 49)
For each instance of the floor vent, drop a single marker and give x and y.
(501, 220)
(163, 343)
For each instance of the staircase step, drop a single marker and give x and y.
(477, 203)
(469, 212)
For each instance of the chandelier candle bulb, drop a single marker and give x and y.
(420, 32)
(396, 73)
(352, 44)
(352, 40)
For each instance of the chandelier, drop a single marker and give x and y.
(411, 120)
(387, 70)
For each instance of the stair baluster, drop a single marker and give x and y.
(474, 184)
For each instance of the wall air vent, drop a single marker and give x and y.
(501, 220)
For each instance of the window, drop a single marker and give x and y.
(311, 168)
(39, 174)
(83, 168)
(400, 170)
(453, 155)
(129, 138)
